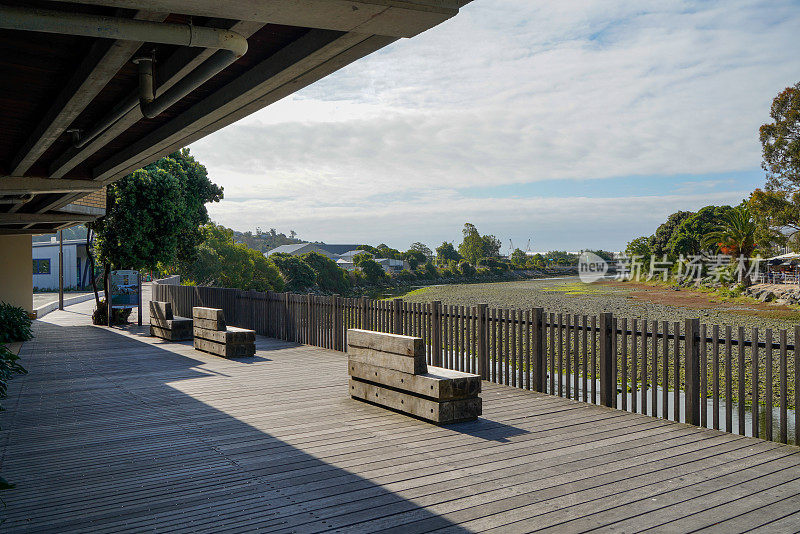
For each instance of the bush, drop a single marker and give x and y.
(15, 324)
(466, 269)
(119, 315)
(329, 276)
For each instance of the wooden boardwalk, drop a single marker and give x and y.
(114, 431)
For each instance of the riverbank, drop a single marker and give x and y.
(624, 299)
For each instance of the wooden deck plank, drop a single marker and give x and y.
(114, 431)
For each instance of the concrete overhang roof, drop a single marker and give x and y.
(54, 82)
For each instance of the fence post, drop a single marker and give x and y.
(362, 305)
(607, 389)
(436, 333)
(539, 374)
(397, 309)
(483, 353)
(692, 371)
(308, 340)
(338, 334)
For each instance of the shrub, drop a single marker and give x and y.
(15, 324)
(118, 315)
(466, 269)
(329, 276)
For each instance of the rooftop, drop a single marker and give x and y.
(115, 431)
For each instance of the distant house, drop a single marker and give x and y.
(45, 264)
(343, 258)
(296, 249)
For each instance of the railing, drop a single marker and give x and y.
(691, 372)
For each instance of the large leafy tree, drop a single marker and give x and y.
(446, 253)
(475, 246)
(659, 242)
(154, 214)
(296, 273)
(639, 247)
(414, 258)
(777, 206)
(421, 247)
(687, 238)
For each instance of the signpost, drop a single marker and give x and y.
(126, 290)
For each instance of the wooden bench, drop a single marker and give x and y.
(165, 325)
(390, 370)
(212, 335)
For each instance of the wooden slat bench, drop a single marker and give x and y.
(390, 370)
(165, 325)
(211, 334)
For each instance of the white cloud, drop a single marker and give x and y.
(512, 92)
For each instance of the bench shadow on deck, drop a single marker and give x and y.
(114, 431)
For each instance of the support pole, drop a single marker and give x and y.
(61, 269)
(538, 363)
(139, 294)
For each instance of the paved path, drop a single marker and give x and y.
(114, 431)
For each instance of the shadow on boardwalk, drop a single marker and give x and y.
(109, 432)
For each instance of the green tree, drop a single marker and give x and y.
(475, 246)
(328, 275)
(491, 246)
(385, 251)
(296, 273)
(736, 235)
(358, 259)
(414, 258)
(519, 258)
(219, 261)
(421, 247)
(777, 206)
(445, 253)
(659, 241)
(154, 214)
(466, 269)
(373, 273)
(639, 247)
(687, 238)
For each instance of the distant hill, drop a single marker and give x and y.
(266, 241)
(75, 232)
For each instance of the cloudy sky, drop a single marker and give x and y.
(574, 124)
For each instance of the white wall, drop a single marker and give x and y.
(50, 251)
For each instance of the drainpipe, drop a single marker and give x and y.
(231, 46)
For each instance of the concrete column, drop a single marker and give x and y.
(16, 268)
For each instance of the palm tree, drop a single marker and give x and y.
(735, 236)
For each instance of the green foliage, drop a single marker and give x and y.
(404, 276)
(328, 275)
(780, 140)
(118, 315)
(494, 265)
(153, 214)
(421, 247)
(220, 261)
(431, 271)
(561, 257)
(370, 250)
(446, 253)
(466, 269)
(373, 273)
(519, 258)
(687, 238)
(9, 366)
(15, 325)
(296, 273)
(736, 234)
(385, 251)
(475, 246)
(660, 240)
(414, 258)
(358, 259)
(639, 247)
(266, 241)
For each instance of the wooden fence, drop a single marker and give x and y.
(705, 375)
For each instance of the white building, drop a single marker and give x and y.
(45, 264)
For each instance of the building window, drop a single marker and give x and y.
(41, 266)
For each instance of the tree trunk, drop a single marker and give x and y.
(92, 267)
(107, 284)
